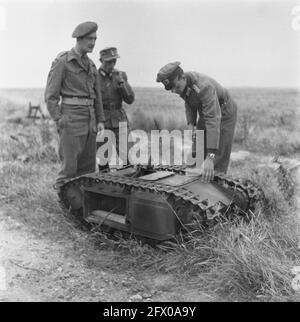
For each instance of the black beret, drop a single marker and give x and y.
(84, 29)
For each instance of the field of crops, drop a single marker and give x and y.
(268, 119)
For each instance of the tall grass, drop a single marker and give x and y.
(35, 142)
(268, 119)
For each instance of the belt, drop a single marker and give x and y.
(78, 101)
(111, 106)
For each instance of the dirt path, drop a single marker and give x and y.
(40, 270)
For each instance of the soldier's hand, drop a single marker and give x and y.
(191, 127)
(100, 128)
(120, 80)
(194, 171)
(62, 122)
(208, 172)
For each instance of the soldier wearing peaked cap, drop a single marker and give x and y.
(115, 89)
(217, 111)
(74, 102)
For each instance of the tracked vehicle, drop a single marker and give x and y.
(156, 202)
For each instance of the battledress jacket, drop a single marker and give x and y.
(70, 77)
(206, 98)
(113, 96)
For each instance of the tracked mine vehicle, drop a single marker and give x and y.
(155, 202)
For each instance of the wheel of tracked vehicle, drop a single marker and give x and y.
(194, 219)
(250, 190)
(71, 202)
(190, 219)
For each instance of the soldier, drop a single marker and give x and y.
(74, 79)
(216, 109)
(114, 90)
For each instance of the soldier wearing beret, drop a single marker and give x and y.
(74, 102)
(114, 90)
(215, 109)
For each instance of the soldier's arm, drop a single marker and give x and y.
(53, 87)
(98, 100)
(191, 115)
(125, 89)
(212, 115)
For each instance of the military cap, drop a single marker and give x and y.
(84, 29)
(168, 73)
(109, 53)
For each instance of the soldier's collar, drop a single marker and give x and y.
(73, 54)
(102, 72)
(105, 73)
(187, 91)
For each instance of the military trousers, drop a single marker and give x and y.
(77, 154)
(227, 128)
(226, 138)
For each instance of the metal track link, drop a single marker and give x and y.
(180, 199)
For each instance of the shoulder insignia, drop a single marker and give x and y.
(188, 91)
(196, 88)
(61, 54)
(102, 72)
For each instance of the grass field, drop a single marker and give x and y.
(231, 261)
(268, 119)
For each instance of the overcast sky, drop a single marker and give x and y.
(239, 43)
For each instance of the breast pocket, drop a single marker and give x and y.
(74, 75)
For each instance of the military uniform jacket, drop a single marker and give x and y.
(71, 77)
(113, 95)
(205, 97)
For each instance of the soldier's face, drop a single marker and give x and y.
(109, 65)
(178, 85)
(88, 42)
